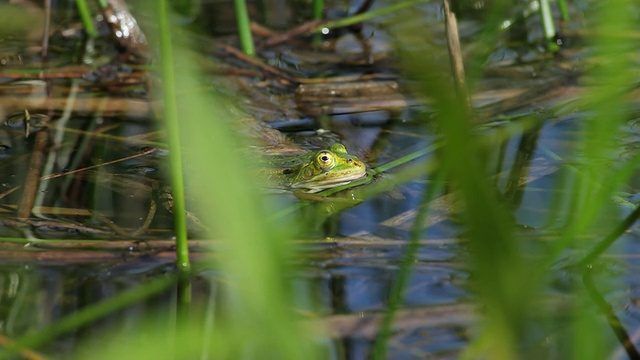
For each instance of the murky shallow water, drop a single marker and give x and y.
(350, 275)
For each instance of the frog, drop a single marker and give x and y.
(309, 172)
(313, 171)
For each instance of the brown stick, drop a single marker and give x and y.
(47, 27)
(143, 153)
(33, 176)
(455, 53)
(297, 31)
(257, 63)
(113, 106)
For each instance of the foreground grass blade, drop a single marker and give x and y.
(593, 186)
(495, 261)
(252, 262)
(88, 315)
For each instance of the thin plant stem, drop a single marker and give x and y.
(406, 158)
(564, 10)
(613, 320)
(173, 131)
(548, 25)
(47, 28)
(244, 30)
(614, 235)
(318, 8)
(87, 21)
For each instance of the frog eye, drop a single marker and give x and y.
(325, 160)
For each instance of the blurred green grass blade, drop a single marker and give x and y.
(596, 171)
(244, 28)
(254, 257)
(87, 316)
(497, 264)
(596, 181)
(564, 10)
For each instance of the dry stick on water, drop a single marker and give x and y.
(455, 53)
(268, 70)
(295, 32)
(33, 177)
(47, 27)
(102, 164)
(52, 176)
(261, 31)
(257, 63)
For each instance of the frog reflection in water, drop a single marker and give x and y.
(312, 171)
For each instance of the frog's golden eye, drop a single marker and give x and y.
(325, 160)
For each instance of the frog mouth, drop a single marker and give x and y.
(315, 185)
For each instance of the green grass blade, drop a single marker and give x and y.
(253, 259)
(87, 316)
(318, 6)
(244, 29)
(548, 26)
(87, 20)
(173, 134)
(564, 10)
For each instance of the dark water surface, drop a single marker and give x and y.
(351, 257)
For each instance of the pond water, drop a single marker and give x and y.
(101, 122)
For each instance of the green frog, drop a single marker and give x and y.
(312, 171)
(308, 172)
